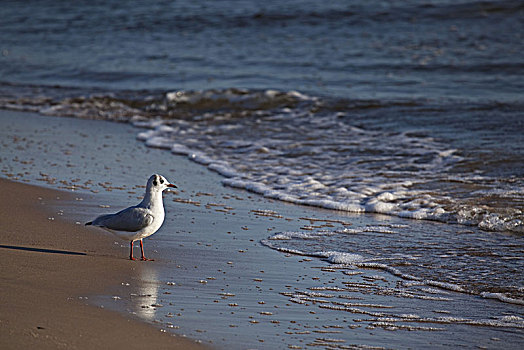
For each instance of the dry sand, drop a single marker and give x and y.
(47, 267)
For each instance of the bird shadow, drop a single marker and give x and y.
(40, 250)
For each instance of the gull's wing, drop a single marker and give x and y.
(132, 219)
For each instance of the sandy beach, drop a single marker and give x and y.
(214, 279)
(49, 268)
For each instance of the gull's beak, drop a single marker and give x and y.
(171, 185)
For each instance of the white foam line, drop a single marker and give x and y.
(447, 286)
(380, 201)
(502, 297)
(283, 250)
(442, 285)
(331, 256)
(506, 321)
(355, 260)
(389, 269)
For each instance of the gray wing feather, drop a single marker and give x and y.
(132, 219)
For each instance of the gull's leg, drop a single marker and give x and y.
(131, 251)
(142, 249)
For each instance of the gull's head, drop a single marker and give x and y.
(158, 183)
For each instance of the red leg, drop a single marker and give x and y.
(131, 252)
(142, 249)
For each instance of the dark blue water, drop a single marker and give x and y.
(409, 108)
(407, 49)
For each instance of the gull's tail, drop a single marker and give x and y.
(89, 223)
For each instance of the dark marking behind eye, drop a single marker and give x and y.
(155, 183)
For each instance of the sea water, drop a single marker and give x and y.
(411, 109)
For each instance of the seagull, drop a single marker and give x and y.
(140, 221)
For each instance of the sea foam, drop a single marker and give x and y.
(322, 160)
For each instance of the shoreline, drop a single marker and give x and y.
(212, 279)
(49, 270)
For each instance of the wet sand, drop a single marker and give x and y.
(48, 270)
(212, 279)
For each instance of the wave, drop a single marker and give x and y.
(338, 154)
(417, 263)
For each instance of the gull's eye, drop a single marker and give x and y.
(161, 180)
